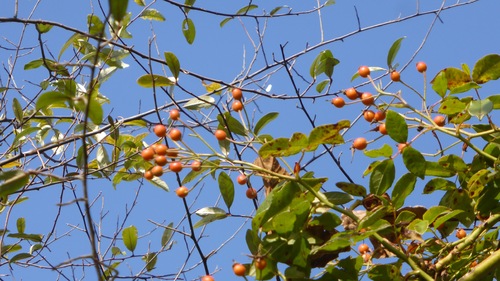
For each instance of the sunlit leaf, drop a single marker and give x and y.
(452, 105)
(352, 188)
(338, 198)
(189, 30)
(199, 102)
(129, 236)
(31, 237)
(152, 14)
(480, 108)
(140, 3)
(43, 27)
(438, 184)
(154, 80)
(393, 51)
(21, 225)
(232, 123)
(167, 234)
(246, 9)
(372, 217)
(487, 68)
(11, 181)
(478, 182)
(323, 63)
(384, 151)
(327, 134)
(440, 84)
(19, 257)
(173, 64)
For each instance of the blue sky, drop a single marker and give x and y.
(460, 35)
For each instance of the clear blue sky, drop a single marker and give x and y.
(460, 35)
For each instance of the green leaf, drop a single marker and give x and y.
(403, 187)
(434, 169)
(167, 234)
(382, 177)
(477, 182)
(440, 84)
(444, 218)
(211, 218)
(115, 251)
(283, 147)
(275, 10)
(370, 168)
(384, 151)
(96, 27)
(323, 63)
(150, 259)
(11, 181)
(19, 257)
(321, 86)
(434, 212)
(43, 27)
(10, 248)
(381, 272)
(49, 64)
(457, 80)
(129, 236)
(35, 247)
(95, 112)
(140, 3)
(327, 134)
(189, 30)
(118, 9)
(438, 184)
(453, 162)
(352, 188)
(224, 21)
(157, 181)
(414, 161)
(372, 217)
(173, 64)
(31, 237)
(396, 127)
(451, 106)
(188, 3)
(264, 120)
(154, 80)
(339, 198)
(419, 226)
(226, 187)
(152, 14)
(487, 68)
(480, 108)
(18, 110)
(197, 103)
(393, 51)
(21, 225)
(246, 9)
(495, 99)
(232, 123)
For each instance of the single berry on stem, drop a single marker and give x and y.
(360, 143)
(160, 130)
(175, 134)
(175, 166)
(351, 93)
(395, 76)
(251, 193)
(338, 102)
(237, 93)
(421, 66)
(237, 105)
(174, 114)
(367, 99)
(220, 135)
(364, 71)
(182, 191)
(369, 115)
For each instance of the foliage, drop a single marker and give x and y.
(304, 225)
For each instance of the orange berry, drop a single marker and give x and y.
(251, 193)
(160, 149)
(359, 143)
(367, 99)
(157, 171)
(175, 166)
(440, 120)
(160, 130)
(260, 263)
(379, 116)
(239, 269)
(182, 191)
(237, 94)
(382, 129)
(351, 93)
(242, 179)
(220, 135)
(369, 115)
(364, 71)
(148, 154)
(148, 175)
(196, 165)
(363, 248)
(175, 134)
(207, 278)
(174, 114)
(421, 66)
(161, 160)
(395, 76)
(237, 105)
(461, 233)
(338, 102)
